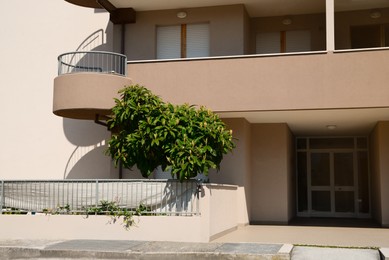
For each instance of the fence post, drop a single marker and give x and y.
(198, 190)
(97, 195)
(2, 200)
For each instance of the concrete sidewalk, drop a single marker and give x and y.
(110, 249)
(307, 253)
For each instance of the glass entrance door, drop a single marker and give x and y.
(320, 184)
(344, 183)
(332, 184)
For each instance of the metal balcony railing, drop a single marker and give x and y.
(167, 197)
(92, 61)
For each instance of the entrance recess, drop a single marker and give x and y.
(332, 177)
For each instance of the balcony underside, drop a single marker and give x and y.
(85, 3)
(85, 95)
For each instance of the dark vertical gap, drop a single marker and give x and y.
(183, 40)
(283, 41)
(386, 35)
(123, 39)
(302, 182)
(382, 36)
(120, 170)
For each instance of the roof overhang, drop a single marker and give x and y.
(254, 8)
(357, 121)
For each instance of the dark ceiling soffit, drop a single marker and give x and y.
(123, 16)
(118, 15)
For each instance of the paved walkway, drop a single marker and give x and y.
(119, 249)
(309, 235)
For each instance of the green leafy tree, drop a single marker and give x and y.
(148, 132)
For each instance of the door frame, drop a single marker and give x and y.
(332, 188)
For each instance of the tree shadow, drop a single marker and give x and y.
(88, 159)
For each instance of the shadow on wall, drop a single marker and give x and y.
(88, 163)
(133, 173)
(88, 159)
(96, 41)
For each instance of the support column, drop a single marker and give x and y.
(330, 25)
(272, 180)
(380, 173)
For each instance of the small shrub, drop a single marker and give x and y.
(146, 133)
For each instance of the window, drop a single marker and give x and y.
(284, 41)
(370, 36)
(297, 41)
(268, 42)
(169, 42)
(183, 41)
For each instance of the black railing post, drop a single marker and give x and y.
(97, 195)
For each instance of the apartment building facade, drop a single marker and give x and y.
(302, 84)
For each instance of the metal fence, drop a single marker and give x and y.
(92, 61)
(168, 197)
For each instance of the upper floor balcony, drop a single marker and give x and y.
(300, 81)
(271, 49)
(87, 83)
(173, 29)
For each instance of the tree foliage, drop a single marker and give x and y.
(148, 132)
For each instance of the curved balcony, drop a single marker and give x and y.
(87, 83)
(92, 61)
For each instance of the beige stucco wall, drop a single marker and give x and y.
(375, 187)
(247, 30)
(83, 95)
(52, 227)
(271, 174)
(219, 208)
(236, 166)
(140, 37)
(341, 80)
(36, 144)
(380, 173)
(291, 173)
